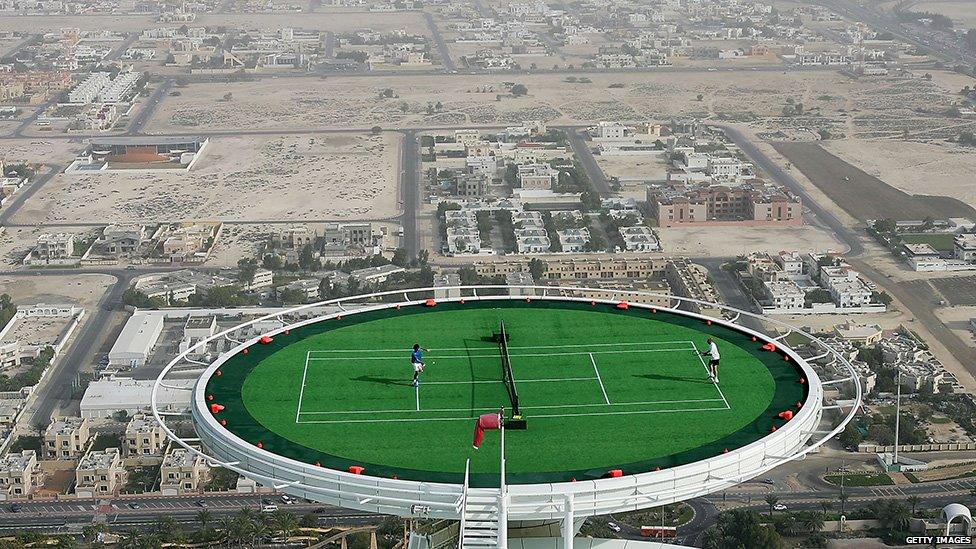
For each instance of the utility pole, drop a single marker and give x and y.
(897, 418)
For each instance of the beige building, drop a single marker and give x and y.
(19, 474)
(99, 473)
(66, 437)
(144, 437)
(581, 269)
(182, 472)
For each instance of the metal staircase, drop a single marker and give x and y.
(484, 511)
(480, 523)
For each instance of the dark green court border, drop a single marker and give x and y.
(227, 387)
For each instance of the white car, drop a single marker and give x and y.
(613, 526)
(779, 507)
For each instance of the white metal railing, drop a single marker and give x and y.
(445, 499)
(464, 502)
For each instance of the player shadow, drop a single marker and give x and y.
(385, 380)
(663, 377)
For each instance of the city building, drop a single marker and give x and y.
(375, 275)
(705, 205)
(105, 397)
(136, 341)
(66, 437)
(182, 472)
(19, 474)
(144, 436)
(99, 473)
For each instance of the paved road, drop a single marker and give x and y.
(330, 43)
(23, 44)
(410, 189)
(442, 48)
(126, 44)
(483, 9)
(25, 123)
(124, 513)
(55, 391)
(24, 195)
(581, 148)
(149, 107)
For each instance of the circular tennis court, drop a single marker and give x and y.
(600, 388)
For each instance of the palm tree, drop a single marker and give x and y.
(228, 526)
(286, 523)
(812, 522)
(259, 531)
(771, 501)
(826, 505)
(131, 540)
(166, 527)
(914, 500)
(204, 517)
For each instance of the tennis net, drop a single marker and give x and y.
(507, 376)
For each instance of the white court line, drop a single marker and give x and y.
(567, 346)
(500, 381)
(534, 417)
(301, 393)
(495, 355)
(710, 375)
(417, 387)
(597, 370)
(539, 407)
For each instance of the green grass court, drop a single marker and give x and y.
(599, 387)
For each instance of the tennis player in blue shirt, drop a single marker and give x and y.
(417, 360)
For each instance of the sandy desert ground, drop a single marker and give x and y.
(916, 168)
(349, 102)
(39, 150)
(336, 177)
(651, 167)
(79, 289)
(331, 21)
(17, 242)
(723, 242)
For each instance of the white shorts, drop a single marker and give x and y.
(418, 367)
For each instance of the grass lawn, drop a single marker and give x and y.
(861, 479)
(940, 241)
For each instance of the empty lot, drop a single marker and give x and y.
(863, 195)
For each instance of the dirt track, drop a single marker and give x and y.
(862, 195)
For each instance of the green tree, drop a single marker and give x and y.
(204, 517)
(913, 501)
(740, 529)
(246, 268)
(851, 436)
(537, 268)
(771, 501)
(519, 90)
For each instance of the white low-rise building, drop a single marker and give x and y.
(785, 294)
(136, 341)
(105, 397)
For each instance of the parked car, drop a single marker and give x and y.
(269, 508)
(779, 507)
